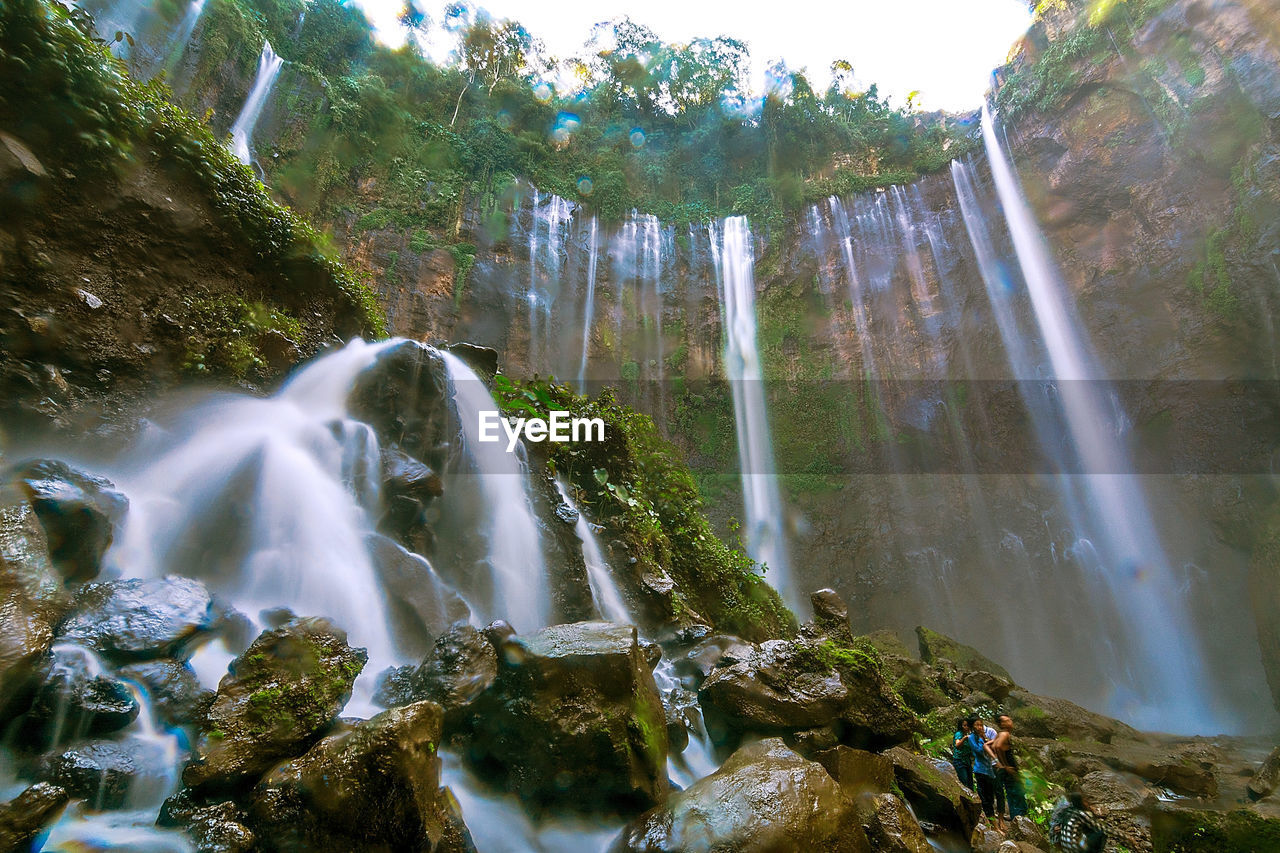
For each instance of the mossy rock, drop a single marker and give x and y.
(935, 647)
(278, 698)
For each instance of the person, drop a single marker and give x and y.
(1073, 827)
(962, 754)
(984, 760)
(1008, 777)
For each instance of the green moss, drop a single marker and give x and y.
(464, 258)
(635, 483)
(1237, 831)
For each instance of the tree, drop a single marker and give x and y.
(488, 51)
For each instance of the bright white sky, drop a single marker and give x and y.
(946, 49)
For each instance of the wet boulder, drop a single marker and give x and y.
(996, 686)
(220, 828)
(109, 774)
(373, 787)
(573, 721)
(483, 360)
(1024, 830)
(935, 647)
(831, 615)
(79, 513)
(1266, 778)
(31, 600)
(711, 652)
(78, 698)
(139, 619)
(422, 606)
(175, 691)
(277, 699)
(408, 486)
(789, 686)
(461, 666)
(936, 795)
(29, 814)
(1051, 718)
(858, 771)
(764, 799)
(892, 828)
(403, 397)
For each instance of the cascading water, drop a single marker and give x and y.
(1167, 675)
(604, 591)
(514, 557)
(156, 757)
(263, 82)
(589, 307)
(762, 500)
(698, 758)
(268, 501)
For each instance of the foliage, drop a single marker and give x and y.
(634, 483)
(666, 128)
(1100, 29)
(66, 96)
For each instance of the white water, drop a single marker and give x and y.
(604, 591)
(698, 758)
(1167, 677)
(258, 498)
(589, 309)
(159, 758)
(762, 501)
(263, 82)
(499, 824)
(514, 559)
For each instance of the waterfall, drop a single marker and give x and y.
(157, 755)
(242, 131)
(604, 591)
(261, 499)
(546, 261)
(186, 27)
(514, 557)
(762, 501)
(1167, 673)
(698, 758)
(588, 310)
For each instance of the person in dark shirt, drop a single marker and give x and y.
(962, 754)
(1008, 777)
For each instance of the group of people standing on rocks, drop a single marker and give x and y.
(985, 762)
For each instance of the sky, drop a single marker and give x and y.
(945, 49)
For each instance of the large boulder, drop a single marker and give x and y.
(787, 686)
(28, 814)
(936, 794)
(892, 828)
(764, 799)
(935, 647)
(1047, 717)
(140, 619)
(79, 513)
(31, 599)
(373, 787)
(573, 720)
(277, 699)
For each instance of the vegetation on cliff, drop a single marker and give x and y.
(66, 97)
(635, 483)
(671, 129)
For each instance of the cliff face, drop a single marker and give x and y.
(1153, 175)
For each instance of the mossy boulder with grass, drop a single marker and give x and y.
(278, 698)
(935, 647)
(573, 721)
(785, 686)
